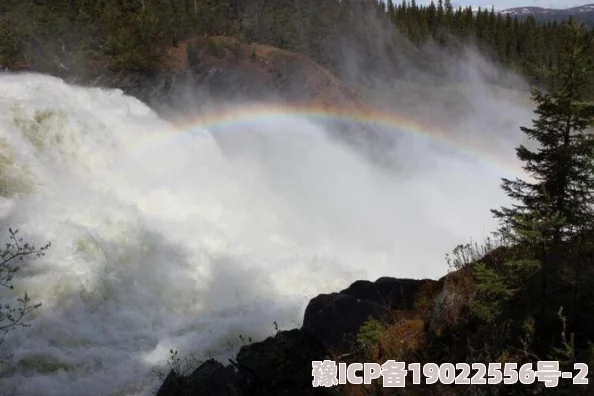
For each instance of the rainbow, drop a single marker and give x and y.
(254, 114)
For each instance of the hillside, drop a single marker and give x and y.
(201, 71)
(437, 321)
(361, 42)
(236, 70)
(584, 13)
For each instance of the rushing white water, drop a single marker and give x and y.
(170, 240)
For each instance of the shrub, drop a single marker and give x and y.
(13, 316)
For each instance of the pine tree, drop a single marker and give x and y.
(557, 205)
(562, 166)
(391, 10)
(449, 12)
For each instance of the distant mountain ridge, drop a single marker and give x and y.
(544, 10)
(584, 13)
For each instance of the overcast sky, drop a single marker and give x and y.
(501, 4)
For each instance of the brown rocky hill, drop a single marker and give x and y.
(204, 72)
(212, 71)
(234, 69)
(219, 70)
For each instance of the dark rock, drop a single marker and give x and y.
(335, 319)
(390, 292)
(210, 378)
(172, 386)
(281, 365)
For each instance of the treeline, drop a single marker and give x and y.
(587, 17)
(342, 35)
(525, 45)
(131, 35)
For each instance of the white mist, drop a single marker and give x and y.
(163, 239)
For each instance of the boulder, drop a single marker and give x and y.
(335, 319)
(390, 292)
(210, 378)
(281, 365)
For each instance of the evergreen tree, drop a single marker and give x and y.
(557, 205)
(562, 166)
(391, 9)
